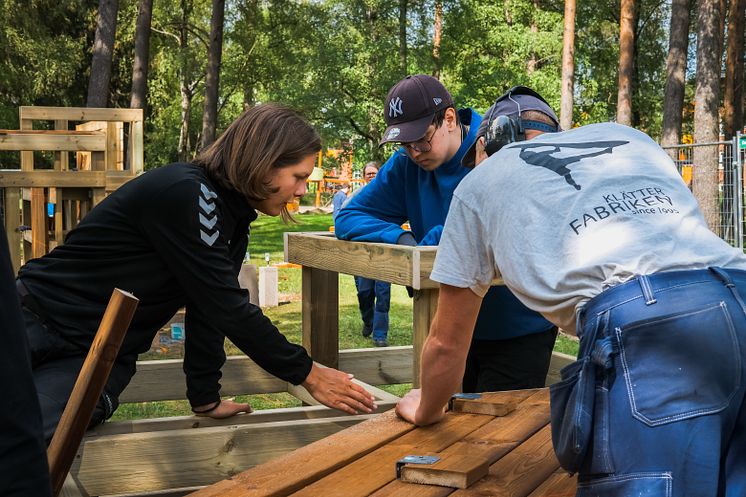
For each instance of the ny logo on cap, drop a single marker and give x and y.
(437, 100)
(395, 107)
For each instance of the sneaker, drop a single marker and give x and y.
(381, 343)
(367, 331)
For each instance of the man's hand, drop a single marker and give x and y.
(224, 409)
(407, 407)
(335, 389)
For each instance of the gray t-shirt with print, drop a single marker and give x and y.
(566, 215)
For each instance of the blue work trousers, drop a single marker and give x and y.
(668, 414)
(374, 299)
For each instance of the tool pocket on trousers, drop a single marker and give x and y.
(637, 484)
(571, 404)
(680, 366)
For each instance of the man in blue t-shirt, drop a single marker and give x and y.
(512, 345)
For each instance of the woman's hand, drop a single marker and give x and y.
(223, 409)
(335, 389)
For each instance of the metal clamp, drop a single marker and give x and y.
(465, 396)
(414, 460)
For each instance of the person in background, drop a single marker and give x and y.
(176, 237)
(512, 345)
(595, 229)
(339, 198)
(374, 297)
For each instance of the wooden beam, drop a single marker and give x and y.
(560, 484)
(149, 462)
(494, 404)
(39, 235)
(397, 264)
(164, 379)
(80, 114)
(57, 179)
(320, 315)
(51, 140)
(375, 470)
(423, 308)
(453, 470)
(89, 385)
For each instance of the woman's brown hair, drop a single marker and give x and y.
(263, 138)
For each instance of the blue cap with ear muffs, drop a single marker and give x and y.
(502, 123)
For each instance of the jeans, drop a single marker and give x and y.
(374, 299)
(668, 411)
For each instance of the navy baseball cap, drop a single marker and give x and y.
(410, 106)
(507, 105)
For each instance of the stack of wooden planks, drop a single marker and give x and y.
(496, 445)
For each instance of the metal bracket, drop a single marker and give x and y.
(414, 460)
(467, 396)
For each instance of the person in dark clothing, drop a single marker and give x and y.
(175, 237)
(23, 457)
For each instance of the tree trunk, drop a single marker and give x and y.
(673, 99)
(706, 98)
(403, 38)
(437, 31)
(142, 55)
(186, 108)
(733, 93)
(532, 60)
(103, 47)
(568, 66)
(212, 80)
(626, 61)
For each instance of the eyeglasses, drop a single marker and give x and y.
(420, 146)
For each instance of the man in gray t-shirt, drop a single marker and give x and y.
(595, 229)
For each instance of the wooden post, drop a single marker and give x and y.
(423, 307)
(320, 315)
(89, 385)
(38, 223)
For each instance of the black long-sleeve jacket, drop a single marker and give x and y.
(173, 238)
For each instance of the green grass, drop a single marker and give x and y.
(267, 236)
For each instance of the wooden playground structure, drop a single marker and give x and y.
(41, 205)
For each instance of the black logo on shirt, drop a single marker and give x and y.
(559, 165)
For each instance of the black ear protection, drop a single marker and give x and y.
(502, 129)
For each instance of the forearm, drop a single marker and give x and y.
(441, 375)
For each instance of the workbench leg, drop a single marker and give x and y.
(424, 305)
(320, 315)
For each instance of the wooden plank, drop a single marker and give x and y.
(70, 488)
(149, 462)
(312, 462)
(52, 141)
(424, 305)
(164, 379)
(520, 472)
(371, 472)
(89, 385)
(494, 404)
(115, 179)
(57, 179)
(491, 442)
(137, 161)
(80, 114)
(27, 158)
(38, 222)
(320, 315)
(55, 197)
(452, 470)
(12, 223)
(61, 159)
(559, 484)
(379, 261)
